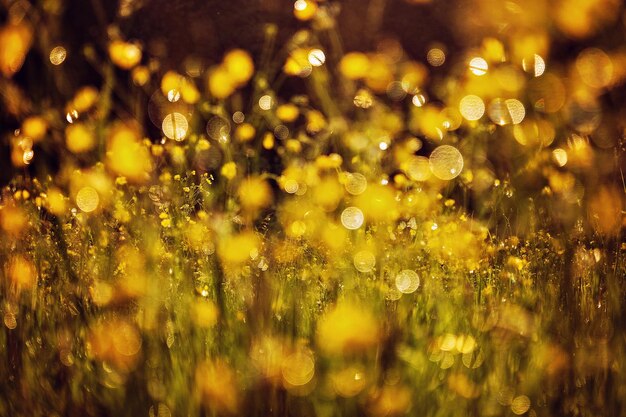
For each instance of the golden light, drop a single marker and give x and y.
(560, 156)
(87, 199)
(407, 281)
(173, 95)
(175, 126)
(595, 68)
(79, 138)
(364, 261)
(419, 100)
(354, 65)
(478, 66)
(516, 110)
(292, 228)
(363, 99)
(305, 9)
(472, 107)
(298, 369)
(317, 57)
(352, 218)
(349, 381)
(356, 183)
(446, 162)
(452, 118)
(520, 405)
(291, 186)
(535, 65)
(534, 132)
(218, 128)
(266, 102)
(58, 55)
(436, 57)
(238, 117)
(125, 55)
(503, 112)
(418, 168)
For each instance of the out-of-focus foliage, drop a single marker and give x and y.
(306, 230)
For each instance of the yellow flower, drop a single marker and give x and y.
(34, 127)
(127, 155)
(236, 249)
(171, 81)
(124, 54)
(239, 65)
(12, 220)
(141, 75)
(332, 161)
(204, 313)
(268, 140)
(293, 145)
(287, 112)
(84, 99)
(189, 91)
(254, 193)
(379, 75)
(56, 202)
(315, 121)
(305, 9)
(245, 132)
(347, 329)
(229, 170)
(15, 41)
(328, 193)
(217, 387)
(354, 65)
(297, 63)
(79, 138)
(22, 272)
(220, 83)
(378, 203)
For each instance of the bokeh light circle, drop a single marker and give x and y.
(446, 162)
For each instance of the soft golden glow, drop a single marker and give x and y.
(407, 281)
(520, 405)
(317, 57)
(535, 65)
(595, 68)
(236, 215)
(446, 162)
(305, 9)
(355, 183)
(560, 156)
(472, 107)
(125, 55)
(58, 55)
(352, 218)
(87, 199)
(503, 112)
(266, 102)
(436, 57)
(418, 168)
(478, 66)
(175, 126)
(364, 261)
